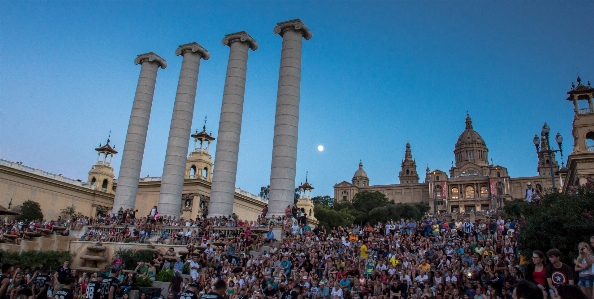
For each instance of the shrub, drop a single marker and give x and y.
(30, 210)
(131, 257)
(32, 258)
(165, 275)
(142, 282)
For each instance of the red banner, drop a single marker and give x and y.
(444, 190)
(492, 183)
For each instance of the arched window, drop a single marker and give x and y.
(469, 192)
(455, 193)
(104, 185)
(498, 174)
(484, 192)
(407, 172)
(193, 171)
(590, 141)
(437, 192)
(93, 181)
(205, 172)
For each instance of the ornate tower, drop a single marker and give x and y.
(101, 175)
(544, 159)
(580, 163)
(304, 202)
(199, 163)
(360, 178)
(408, 174)
(471, 153)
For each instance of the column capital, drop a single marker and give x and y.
(296, 25)
(194, 48)
(151, 57)
(241, 36)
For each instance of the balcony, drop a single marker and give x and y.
(585, 111)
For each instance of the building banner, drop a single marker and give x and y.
(492, 183)
(444, 190)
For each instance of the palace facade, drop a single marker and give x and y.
(474, 184)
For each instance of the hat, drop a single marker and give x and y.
(529, 183)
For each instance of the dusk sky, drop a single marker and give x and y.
(375, 75)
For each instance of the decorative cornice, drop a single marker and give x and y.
(296, 25)
(194, 48)
(241, 36)
(151, 57)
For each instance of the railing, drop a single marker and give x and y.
(585, 110)
(106, 163)
(58, 177)
(250, 195)
(151, 179)
(591, 148)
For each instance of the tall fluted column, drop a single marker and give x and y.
(172, 182)
(225, 165)
(127, 185)
(284, 150)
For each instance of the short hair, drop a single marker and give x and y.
(220, 285)
(567, 291)
(528, 290)
(554, 252)
(69, 280)
(115, 270)
(6, 267)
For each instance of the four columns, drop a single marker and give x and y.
(137, 128)
(284, 148)
(223, 182)
(284, 152)
(172, 180)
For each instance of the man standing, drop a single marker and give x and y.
(94, 287)
(558, 273)
(41, 284)
(218, 291)
(110, 285)
(190, 292)
(61, 275)
(468, 226)
(175, 286)
(529, 192)
(67, 290)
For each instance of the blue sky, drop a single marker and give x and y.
(375, 75)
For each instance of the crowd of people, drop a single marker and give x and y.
(432, 258)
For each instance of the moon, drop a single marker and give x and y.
(320, 148)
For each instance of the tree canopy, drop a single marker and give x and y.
(366, 207)
(559, 221)
(30, 210)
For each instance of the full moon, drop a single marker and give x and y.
(320, 148)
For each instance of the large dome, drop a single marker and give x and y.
(360, 172)
(470, 137)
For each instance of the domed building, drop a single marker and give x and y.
(473, 183)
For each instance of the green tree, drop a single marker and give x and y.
(30, 210)
(559, 221)
(364, 202)
(323, 200)
(330, 217)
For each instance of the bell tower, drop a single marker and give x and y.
(101, 175)
(408, 173)
(304, 202)
(199, 163)
(580, 163)
(545, 159)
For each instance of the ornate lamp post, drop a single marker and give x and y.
(549, 150)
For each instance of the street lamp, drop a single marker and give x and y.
(549, 151)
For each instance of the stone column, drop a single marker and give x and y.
(284, 150)
(225, 164)
(129, 174)
(172, 181)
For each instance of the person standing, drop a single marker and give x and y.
(109, 285)
(218, 291)
(61, 275)
(583, 265)
(41, 284)
(175, 286)
(558, 273)
(536, 271)
(7, 270)
(67, 291)
(94, 287)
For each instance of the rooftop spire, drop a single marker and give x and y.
(407, 153)
(468, 122)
